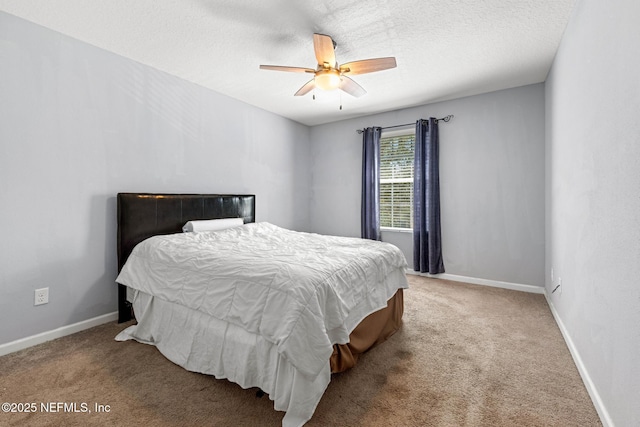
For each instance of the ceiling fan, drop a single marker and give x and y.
(329, 75)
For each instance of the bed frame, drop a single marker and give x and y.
(142, 215)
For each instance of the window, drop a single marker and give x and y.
(396, 179)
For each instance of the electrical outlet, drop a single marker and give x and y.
(42, 296)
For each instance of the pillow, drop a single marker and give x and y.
(212, 224)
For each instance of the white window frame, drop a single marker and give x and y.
(390, 134)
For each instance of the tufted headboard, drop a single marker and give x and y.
(142, 215)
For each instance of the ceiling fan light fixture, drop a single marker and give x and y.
(328, 79)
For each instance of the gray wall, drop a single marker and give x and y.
(593, 198)
(78, 125)
(491, 177)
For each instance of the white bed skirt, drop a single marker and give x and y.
(204, 344)
(243, 358)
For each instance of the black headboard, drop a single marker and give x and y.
(142, 215)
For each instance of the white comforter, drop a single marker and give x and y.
(301, 292)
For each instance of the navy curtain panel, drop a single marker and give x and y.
(370, 223)
(427, 240)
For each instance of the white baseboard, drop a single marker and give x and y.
(56, 333)
(484, 282)
(586, 378)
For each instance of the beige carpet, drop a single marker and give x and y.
(466, 355)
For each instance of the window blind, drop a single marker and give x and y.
(396, 181)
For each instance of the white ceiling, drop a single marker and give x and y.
(444, 49)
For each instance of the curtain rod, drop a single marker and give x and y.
(444, 119)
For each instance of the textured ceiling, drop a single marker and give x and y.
(444, 49)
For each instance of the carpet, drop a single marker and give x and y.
(466, 355)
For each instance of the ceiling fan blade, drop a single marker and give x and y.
(289, 69)
(351, 87)
(308, 87)
(368, 65)
(323, 47)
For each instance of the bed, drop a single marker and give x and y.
(273, 309)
